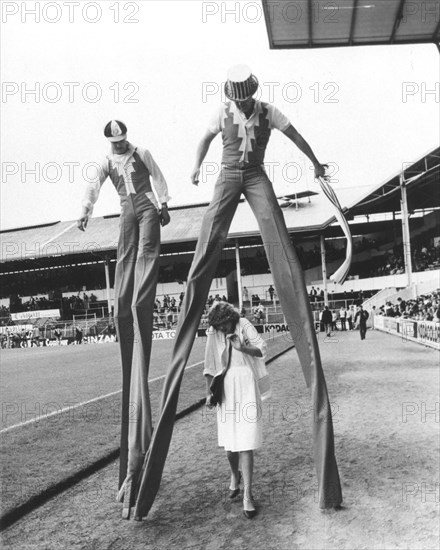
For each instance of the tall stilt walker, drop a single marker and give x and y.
(132, 171)
(246, 124)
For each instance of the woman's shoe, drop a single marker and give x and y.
(235, 492)
(249, 514)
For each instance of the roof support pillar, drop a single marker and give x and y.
(107, 285)
(406, 241)
(324, 270)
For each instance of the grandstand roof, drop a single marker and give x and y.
(311, 24)
(310, 214)
(63, 238)
(422, 182)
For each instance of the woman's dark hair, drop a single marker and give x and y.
(222, 312)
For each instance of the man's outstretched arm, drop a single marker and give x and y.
(202, 149)
(303, 146)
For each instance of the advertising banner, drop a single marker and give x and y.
(39, 314)
(424, 332)
(13, 329)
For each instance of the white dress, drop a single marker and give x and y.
(240, 416)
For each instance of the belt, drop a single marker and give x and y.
(241, 166)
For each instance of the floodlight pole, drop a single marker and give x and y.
(107, 285)
(237, 263)
(406, 241)
(324, 270)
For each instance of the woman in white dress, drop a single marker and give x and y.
(234, 343)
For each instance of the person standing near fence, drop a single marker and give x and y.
(246, 124)
(343, 318)
(327, 320)
(350, 317)
(143, 194)
(362, 315)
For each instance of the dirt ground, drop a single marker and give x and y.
(384, 393)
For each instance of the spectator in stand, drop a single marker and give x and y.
(313, 294)
(401, 304)
(258, 312)
(389, 310)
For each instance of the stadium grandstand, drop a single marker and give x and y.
(53, 275)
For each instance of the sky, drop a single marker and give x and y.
(159, 66)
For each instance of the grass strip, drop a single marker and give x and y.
(43, 459)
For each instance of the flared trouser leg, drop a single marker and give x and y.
(290, 285)
(215, 226)
(291, 289)
(124, 287)
(144, 293)
(135, 289)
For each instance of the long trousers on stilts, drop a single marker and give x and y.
(290, 287)
(135, 291)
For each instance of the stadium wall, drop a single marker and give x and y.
(422, 332)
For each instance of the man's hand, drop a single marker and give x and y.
(164, 216)
(195, 175)
(82, 222)
(320, 171)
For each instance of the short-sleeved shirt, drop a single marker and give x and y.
(245, 139)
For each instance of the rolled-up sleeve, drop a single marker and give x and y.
(94, 187)
(252, 337)
(159, 182)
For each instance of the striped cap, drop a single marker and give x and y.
(115, 130)
(241, 83)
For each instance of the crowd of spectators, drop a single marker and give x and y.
(5, 315)
(75, 304)
(78, 302)
(424, 256)
(423, 308)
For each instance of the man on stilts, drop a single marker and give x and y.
(132, 170)
(246, 124)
